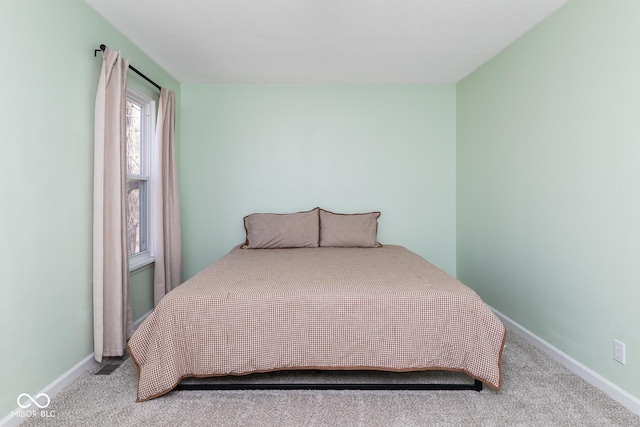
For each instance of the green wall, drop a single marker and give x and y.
(141, 286)
(346, 148)
(548, 170)
(49, 77)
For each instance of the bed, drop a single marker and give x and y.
(321, 307)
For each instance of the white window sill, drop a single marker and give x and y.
(139, 261)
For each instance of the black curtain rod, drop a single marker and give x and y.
(103, 47)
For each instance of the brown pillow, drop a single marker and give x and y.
(349, 230)
(274, 231)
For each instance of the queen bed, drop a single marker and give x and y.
(316, 307)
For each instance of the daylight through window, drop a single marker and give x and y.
(139, 129)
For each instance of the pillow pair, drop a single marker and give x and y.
(311, 229)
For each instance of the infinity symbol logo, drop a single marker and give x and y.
(33, 400)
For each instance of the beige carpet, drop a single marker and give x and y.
(537, 392)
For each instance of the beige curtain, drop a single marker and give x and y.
(166, 202)
(112, 317)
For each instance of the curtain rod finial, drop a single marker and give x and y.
(102, 48)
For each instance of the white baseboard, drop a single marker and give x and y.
(59, 384)
(54, 388)
(615, 392)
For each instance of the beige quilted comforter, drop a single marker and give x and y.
(257, 310)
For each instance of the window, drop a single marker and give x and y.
(140, 127)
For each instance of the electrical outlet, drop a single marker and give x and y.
(618, 351)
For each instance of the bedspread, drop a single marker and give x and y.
(259, 310)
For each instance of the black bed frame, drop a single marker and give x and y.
(476, 386)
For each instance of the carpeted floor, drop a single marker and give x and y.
(537, 392)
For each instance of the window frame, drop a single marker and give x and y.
(147, 131)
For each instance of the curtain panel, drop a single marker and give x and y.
(112, 316)
(166, 202)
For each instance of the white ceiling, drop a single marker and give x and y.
(322, 41)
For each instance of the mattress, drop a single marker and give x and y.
(260, 310)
